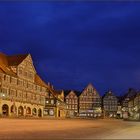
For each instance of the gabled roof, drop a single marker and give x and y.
(3, 59)
(90, 84)
(66, 92)
(78, 93)
(92, 87)
(120, 98)
(109, 93)
(4, 67)
(138, 93)
(39, 81)
(71, 92)
(59, 91)
(15, 60)
(6, 61)
(131, 93)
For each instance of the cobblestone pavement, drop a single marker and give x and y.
(68, 129)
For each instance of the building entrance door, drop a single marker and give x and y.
(39, 113)
(5, 110)
(20, 111)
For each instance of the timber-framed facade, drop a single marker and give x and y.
(22, 91)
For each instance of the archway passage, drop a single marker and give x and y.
(34, 112)
(39, 112)
(20, 111)
(59, 114)
(28, 111)
(13, 109)
(5, 110)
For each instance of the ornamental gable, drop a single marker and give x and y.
(71, 95)
(26, 69)
(90, 91)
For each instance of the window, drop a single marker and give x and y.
(41, 89)
(20, 71)
(19, 94)
(72, 106)
(34, 97)
(13, 92)
(71, 96)
(75, 106)
(30, 75)
(72, 101)
(20, 82)
(67, 101)
(30, 86)
(13, 80)
(4, 92)
(6, 78)
(25, 84)
(75, 101)
(38, 98)
(42, 100)
(24, 95)
(52, 101)
(69, 106)
(38, 88)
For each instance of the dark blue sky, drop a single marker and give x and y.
(75, 43)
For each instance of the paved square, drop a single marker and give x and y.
(68, 129)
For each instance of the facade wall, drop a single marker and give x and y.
(54, 107)
(21, 89)
(29, 110)
(134, 107)
(89, 102)
(110, 104)
(72, 104)
(50, 107)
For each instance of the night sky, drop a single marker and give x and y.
(76, 43)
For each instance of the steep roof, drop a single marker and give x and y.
(39, 81)
(15, 60)
(109, 93)
(59, 91)
(4, 67)
(120, 98)
(66, 92)
(3, 59)
(131, 93)
(90, 84)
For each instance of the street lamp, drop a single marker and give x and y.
(3, 95)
